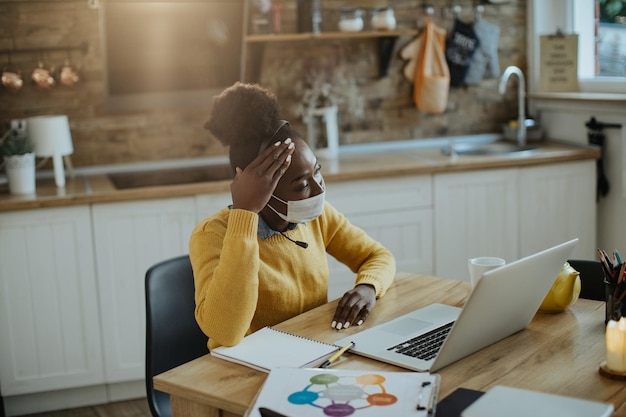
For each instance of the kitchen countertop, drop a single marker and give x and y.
(358, 164)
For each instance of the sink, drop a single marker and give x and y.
(170, 176)
(492, 148)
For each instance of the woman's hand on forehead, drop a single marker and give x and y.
(253, 186)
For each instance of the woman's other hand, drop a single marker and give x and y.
(253, 186)
(354, 307)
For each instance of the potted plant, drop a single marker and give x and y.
(19, 162)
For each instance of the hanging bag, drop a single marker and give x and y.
(432, 76)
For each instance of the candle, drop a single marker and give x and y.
(616, 345)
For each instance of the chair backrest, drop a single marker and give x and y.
(172, 333)
(591, 279)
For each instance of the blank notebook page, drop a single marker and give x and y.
(269, 348)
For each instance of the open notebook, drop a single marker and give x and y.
(268, 348)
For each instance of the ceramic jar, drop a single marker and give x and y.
(383, 18)
(351, 20)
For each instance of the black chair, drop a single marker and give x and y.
(591, 279)
(172, 334)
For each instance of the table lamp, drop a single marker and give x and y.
(51, 137)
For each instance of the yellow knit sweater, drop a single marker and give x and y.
(243, 283)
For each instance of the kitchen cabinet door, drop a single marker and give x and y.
(396, 212)
(129, 238)
(207, 204)
(49, 324)
(558, 203)
(476, 214)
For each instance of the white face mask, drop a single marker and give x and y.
(301, 211)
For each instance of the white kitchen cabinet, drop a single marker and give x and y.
(49, 323)
(558, 203)
(475, 214)
(512, 213)
(129, 238)
(395, 211)
(207, 204)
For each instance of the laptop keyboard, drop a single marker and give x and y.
(424, 346)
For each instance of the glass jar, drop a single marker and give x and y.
(317, 16)
(615, 306)
(350, 20)
(309, 14)
(383, 18)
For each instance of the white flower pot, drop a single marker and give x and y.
(329, 117)
(20, 171)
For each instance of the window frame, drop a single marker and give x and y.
(545, 17)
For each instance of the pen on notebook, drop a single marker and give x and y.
(337, 355)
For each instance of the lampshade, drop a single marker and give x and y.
(51, 137)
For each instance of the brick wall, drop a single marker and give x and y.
(105, 137)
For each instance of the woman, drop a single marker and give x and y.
(263, 260)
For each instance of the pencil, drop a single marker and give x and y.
(337, 355)
(608, 273)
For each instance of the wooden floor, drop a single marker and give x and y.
(131, 408)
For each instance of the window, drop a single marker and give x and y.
(612, 38)
(603, 54)
(601, 57)
(168, 53)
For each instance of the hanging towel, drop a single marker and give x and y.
(432, 76)
(412, 50)
(484, 62)
(460, 47)
(410, 53)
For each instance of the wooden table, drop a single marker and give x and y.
(557, 353)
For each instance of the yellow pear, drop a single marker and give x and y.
(564, 291)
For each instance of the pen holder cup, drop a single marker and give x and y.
(615, 297)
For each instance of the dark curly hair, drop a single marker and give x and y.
(246, 117)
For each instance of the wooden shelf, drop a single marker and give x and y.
(289, 37)
(253, 46)
(83, 47)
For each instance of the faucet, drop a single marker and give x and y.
(521, 100)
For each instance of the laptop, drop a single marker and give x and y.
(503, 302)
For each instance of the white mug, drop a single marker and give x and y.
(478, 266)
